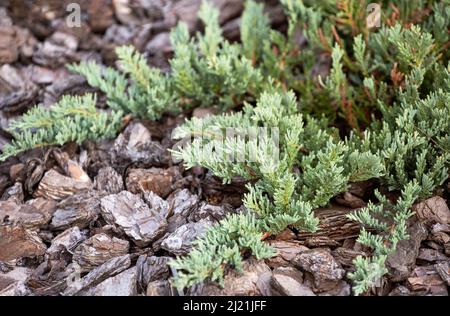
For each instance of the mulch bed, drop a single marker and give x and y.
(105, 218)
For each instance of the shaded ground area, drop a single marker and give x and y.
(105, 218)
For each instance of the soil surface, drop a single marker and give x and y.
(105, 218)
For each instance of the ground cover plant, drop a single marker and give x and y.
(327, 103)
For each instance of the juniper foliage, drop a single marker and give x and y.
(398, 69)
(221, 247)
(311, 166)
(148, 96)
(209, 70)
(205, 70)
(389, 85)
(413, 141)
(369, 271)
(72, 119)
(362, 59)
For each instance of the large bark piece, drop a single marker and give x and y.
(16, 242)
(427, 280)
(156, 180)
(180, 241)
(157, 204)
(181, 204)
(17, 93)
(68, 240)
(402, 262)
(34, 214)
(78, 210)
(135, 145)
(151, 268)
(55, 186)
(434, 209)
(129, 213)
(123, 284)
(288, 286)
(98, 275)
(326, 271)
(98, 249)
(333, 225)
(286, 251)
